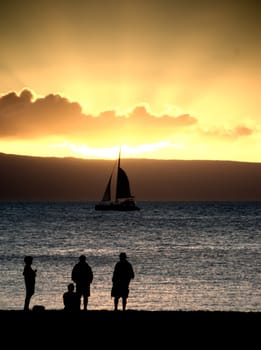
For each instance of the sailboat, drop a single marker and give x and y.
(123, 199)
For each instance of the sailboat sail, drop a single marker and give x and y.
(107, 192)
(123, 200)
(123, 186)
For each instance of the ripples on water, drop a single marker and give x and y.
(186, 255)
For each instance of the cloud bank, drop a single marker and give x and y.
(22, 116)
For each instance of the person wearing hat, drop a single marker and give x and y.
(82, 275)
(122, 275)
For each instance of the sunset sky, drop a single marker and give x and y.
(164, 79)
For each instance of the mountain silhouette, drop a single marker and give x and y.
(29, 178)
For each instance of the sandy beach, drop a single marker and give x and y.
(105, 327)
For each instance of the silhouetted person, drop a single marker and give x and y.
(82, 275)
(71, 299)
(122, 275)
(29, 279)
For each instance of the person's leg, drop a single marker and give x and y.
(116, 302)
(26, 302)
(28, 296)
(85, 302)
(78, 295)
(124, 303)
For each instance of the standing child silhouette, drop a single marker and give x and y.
(29, 279)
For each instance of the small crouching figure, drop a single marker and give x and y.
(71, 300)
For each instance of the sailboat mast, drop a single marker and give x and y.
(119, 160)
(117, 175)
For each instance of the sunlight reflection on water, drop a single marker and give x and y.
(186, 256)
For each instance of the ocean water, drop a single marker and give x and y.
(186, 255)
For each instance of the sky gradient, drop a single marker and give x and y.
(163, 79)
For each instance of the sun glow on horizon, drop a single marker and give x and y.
(140, 151)
(46, 148)
(161, 79)
(164, 150)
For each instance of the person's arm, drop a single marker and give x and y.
(74, 275)
(91, 275)
(132, 272)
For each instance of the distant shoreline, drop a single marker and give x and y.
(27, 178)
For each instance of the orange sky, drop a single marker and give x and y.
(163, 79)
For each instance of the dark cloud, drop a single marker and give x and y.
(23, 117)
(141, 116)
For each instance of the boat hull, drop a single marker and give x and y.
(117, 206)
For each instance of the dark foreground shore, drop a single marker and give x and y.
(108, 327)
